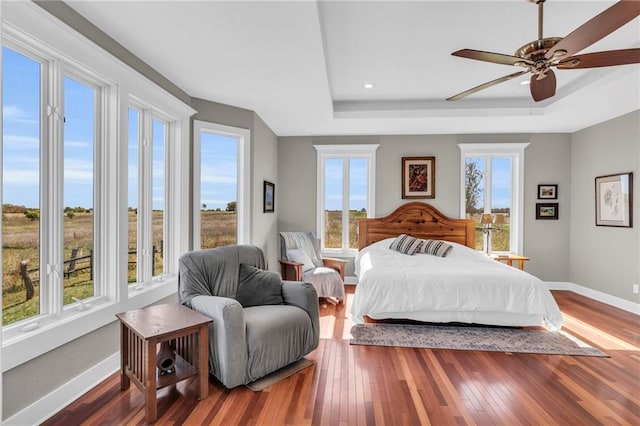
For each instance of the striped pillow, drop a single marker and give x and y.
(406, 244)
(434, 247)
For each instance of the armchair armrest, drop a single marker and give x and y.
(304, 296)
(227, 338)
(291, 271)
(337, 264)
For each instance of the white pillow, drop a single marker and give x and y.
(300, 256)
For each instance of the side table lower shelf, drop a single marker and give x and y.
(183, 370)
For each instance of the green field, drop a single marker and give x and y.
(217, 228)
(333, 228)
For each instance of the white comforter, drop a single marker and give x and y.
(465, 286)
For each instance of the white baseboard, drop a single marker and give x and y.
(50, 404)
(615, 301)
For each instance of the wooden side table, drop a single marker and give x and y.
(510, 258)
(142, 330)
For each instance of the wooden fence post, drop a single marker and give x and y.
(26, 279)
(72, 262)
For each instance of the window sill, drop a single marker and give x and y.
(51, 333)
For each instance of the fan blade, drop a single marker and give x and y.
(544, 88)
(486, 85)
(607, 58)
(496, 58)
(596, 28)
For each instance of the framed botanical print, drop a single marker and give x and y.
(548, 192)
(547, 211)
(418, 177)
(614, 200)
(269, 197)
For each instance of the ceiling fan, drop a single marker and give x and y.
(539, 56)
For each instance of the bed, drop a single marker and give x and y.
(466, 286)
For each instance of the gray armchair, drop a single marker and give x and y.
(300, 260)
(247, 343)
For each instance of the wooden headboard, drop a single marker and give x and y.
(419, 220)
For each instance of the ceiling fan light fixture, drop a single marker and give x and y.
(559, 53)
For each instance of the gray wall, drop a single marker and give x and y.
(546, 242)
(264, 232)
(547, 160)
(602, 258)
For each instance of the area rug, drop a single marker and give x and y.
(470, 338)
(278, 375)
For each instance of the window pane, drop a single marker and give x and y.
(218, 190)
(474, 194)
(79, 130)
(501, 194)
(158, 195)
(21, 187)
(133, 179)
(333, 203)
(358, 178)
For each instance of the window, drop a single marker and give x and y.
(159, 138)
(78, 189)
(221, 211)
(147, 217)
(134, 142)
(85, 154)
(21, 102)
(492, 183)
(346, 188)
(50, 179)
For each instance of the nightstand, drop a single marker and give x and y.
(143, 330)
(510, 258)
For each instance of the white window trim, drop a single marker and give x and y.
(36, 28)
(516, 152)
(325, 152)
(244, 189)
(1, 197)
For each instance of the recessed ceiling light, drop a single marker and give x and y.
(368, 85)
(525, 82)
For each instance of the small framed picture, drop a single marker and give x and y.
(547, 211)
(418, 177)
(269, 197)
(548, 192)
(614, 201)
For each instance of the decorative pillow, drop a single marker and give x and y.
(258, 287)
(435, 248)
(300, 256)
(406, 244)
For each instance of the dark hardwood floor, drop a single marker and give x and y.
(358, 385)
